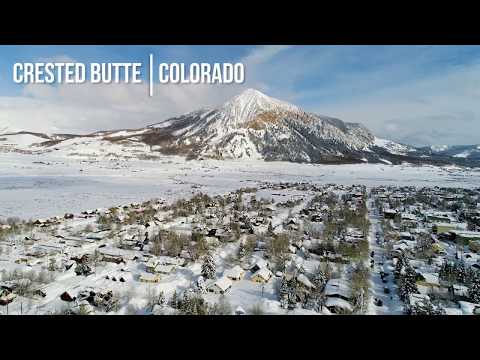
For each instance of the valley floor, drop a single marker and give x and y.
(39, 186)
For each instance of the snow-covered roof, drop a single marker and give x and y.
(430, 278)
(149, 277)
(240, 311)
(264, 273)
(339, 303)
(261, 263)
(223, 283)
(337, 287)
(468, 307)
(453, 311)
(414, 298)
(304, 280)
(234, 272)
(164, 269)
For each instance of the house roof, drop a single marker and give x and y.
(149, 277)
(164, 268)
(223, 283)
(340, 303)
(264, 273)
(304, 280)
(234, 272)
(430, 278)
(337, 287)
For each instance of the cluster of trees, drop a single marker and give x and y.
(406, 278)
(424, 247)
(360, 285)
(40, 277)
(423, 307)
(15, 226)
(457, 272)
(194, 205)
(192, 303)
(474, 289)
(288, 293)
(316, 298)
(169, 242)
(277, 247)
(246, 247)
(291, 292)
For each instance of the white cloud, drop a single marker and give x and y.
(90, 107)
(439, 109)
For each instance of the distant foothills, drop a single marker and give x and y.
(251, 125)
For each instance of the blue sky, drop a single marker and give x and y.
(413, 94)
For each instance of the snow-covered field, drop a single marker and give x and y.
(36, 186)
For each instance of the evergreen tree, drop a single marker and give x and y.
(401, 262)
(270, 229)
(474, 289)
(283, 293)
(208, 267)
(319, 279)
(461, 272)
(174, 300)
(292, 292)
(407, 284)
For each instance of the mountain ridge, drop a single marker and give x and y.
(251, 125)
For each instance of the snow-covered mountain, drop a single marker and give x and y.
(251, 125)
(254, 125)
(470, 152)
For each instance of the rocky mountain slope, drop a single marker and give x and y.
(251, 125)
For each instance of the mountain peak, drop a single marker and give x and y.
(251, 102)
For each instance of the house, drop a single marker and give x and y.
(389, 214)
(6, 297)
(338, 288)
(459, 291)
(465, 237)
(263, 275)
(168, 260)
(164, 269)
(406, 236)
(220, 286)
(239, 311)
(474, 245)
(111, 255)
(302, 279)
(149, 278)
(66, 296)
(338, 305)
(444, 227)
(469, 308)
(427, 278)
(415, 298)
(150, 265)
(235, 273)
(85, 308)
(259, 264)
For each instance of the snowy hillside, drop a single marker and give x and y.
(466, 152)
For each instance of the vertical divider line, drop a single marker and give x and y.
(150, 73)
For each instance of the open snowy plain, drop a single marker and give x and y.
(44, 185)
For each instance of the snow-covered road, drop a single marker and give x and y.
(391, 303)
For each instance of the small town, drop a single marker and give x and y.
(278, 248)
